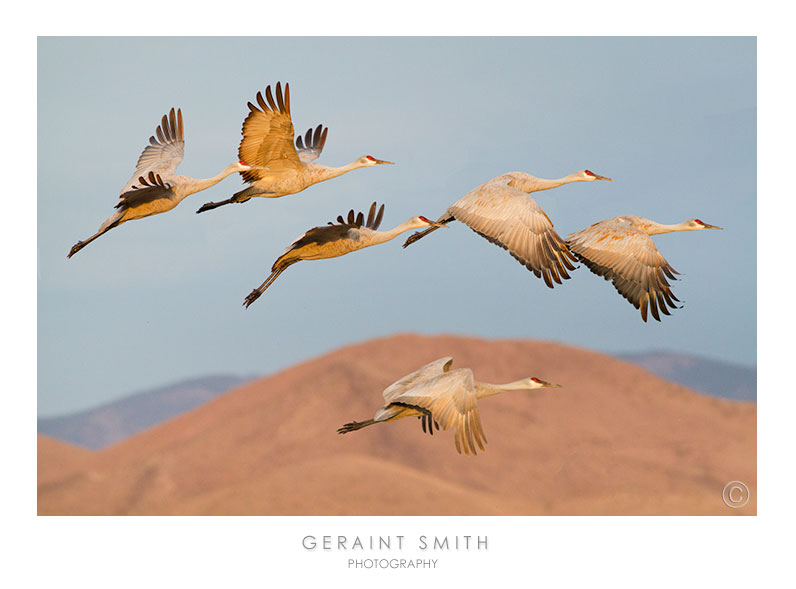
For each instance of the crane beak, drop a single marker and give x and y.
(437, 225)
(544, 383)
(384, 162)
(596, 177)
(706, 226)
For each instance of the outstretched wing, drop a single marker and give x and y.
(511, 219)
(268, 136)
(311, 146)
(450, 397)
(164, 152)
(431, 369)
(627, 256)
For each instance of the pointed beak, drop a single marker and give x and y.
(712, 226)
(544, 383)
(435, 224)
(384, 162)
(596, 177)
(259, 168)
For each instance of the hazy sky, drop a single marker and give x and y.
(672, 120)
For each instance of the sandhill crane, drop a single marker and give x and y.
(268, 142)
(154, 188)
(622, 251)
(336, 239)
(438, 395)
(501, 211)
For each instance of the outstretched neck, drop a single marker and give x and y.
(654, 228)
(194, 185)
(321, 172)
(382, 236)
(485, 389)
(528, 183)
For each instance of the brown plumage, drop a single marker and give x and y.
(336, 239)
(280, 167)
(155, 187)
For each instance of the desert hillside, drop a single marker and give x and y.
(614, 440)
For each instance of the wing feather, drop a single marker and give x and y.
(451, 399)
(514, 221)
(431, 369)
(311, 145)
(627, 256)
(268, 136)
(148, 189)
(163, 154)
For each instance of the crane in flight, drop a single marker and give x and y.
(621, 250)
(438, 396)
(336, 239)
(268, 143)
(501, 211)
(154, 187)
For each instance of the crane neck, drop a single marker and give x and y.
(382, 236)
(194, 185)
(653, 228)
(528, 183)
(485, 389)
(321, 172)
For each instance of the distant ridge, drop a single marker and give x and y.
(102, 426)
(719, 379)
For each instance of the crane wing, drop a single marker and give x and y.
(268, 136)
(311, 146)
(511, 219)
(164, 152)
(148, 189)
(450, 397)
(358, 220)
(431, 369)
(627, 256)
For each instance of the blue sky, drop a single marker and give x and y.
(672, 120)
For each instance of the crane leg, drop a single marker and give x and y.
(255, 294)
(444, 219)
(212, 205)
(81, 244)
(355, 425)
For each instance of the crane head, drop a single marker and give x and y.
(369, 160)
(423, 219)
(537, 383)
(590, 176)
(696, 224)
(241, 166)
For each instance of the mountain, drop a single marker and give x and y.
(614, 440)
(720, 379)
(57, 459)
(111, 423)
